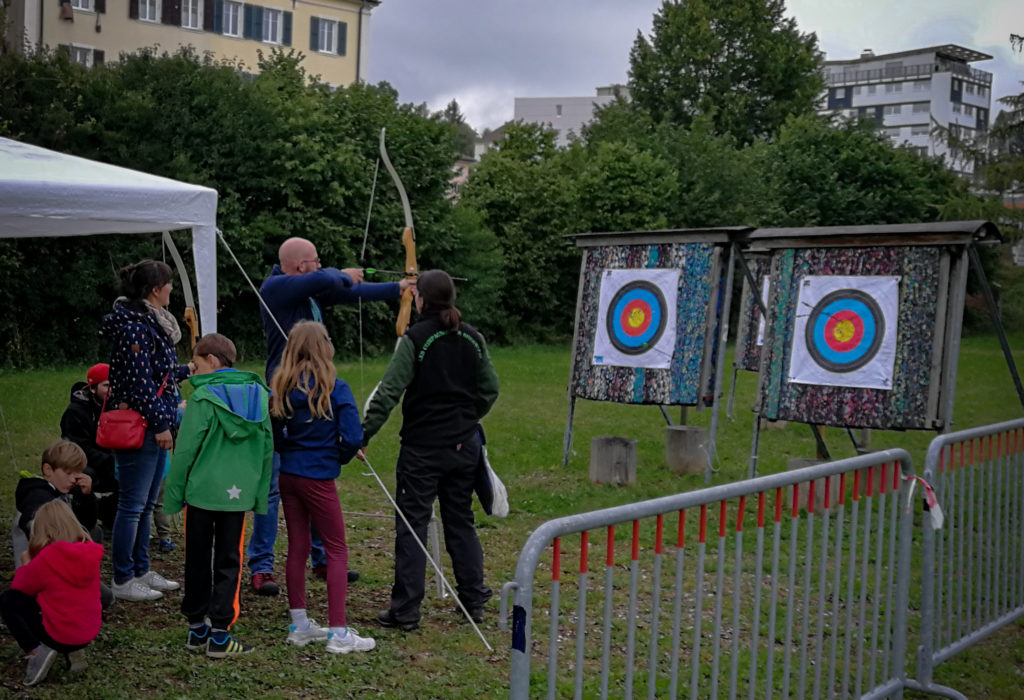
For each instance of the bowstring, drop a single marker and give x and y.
(362, 260)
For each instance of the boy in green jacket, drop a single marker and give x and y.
(220, 469)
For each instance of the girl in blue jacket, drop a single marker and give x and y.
(316, 430)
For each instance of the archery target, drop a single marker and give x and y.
(637, 318)
(845, 332)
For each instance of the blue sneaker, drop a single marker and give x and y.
(197, 638)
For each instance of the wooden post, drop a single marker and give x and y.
(613, 460)
(686, 449)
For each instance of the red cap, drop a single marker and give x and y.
(98, 374)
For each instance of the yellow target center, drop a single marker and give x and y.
(636, 318)
(844, 331)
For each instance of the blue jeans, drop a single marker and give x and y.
(264, 532)
(139, 475)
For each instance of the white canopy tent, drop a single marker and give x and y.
(48, 194)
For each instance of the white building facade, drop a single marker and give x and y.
(566, 115)
(909, 93)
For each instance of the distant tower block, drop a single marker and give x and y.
(686, 449)
(613, 460)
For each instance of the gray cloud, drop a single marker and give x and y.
(485, 53)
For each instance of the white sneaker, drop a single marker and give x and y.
(157, 582)
(301, 638)
(133, 590)
(349, 643)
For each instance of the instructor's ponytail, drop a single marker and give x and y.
(437, 291)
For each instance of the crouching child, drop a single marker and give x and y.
(220, 469)
(53, 604)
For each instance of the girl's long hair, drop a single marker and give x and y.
(55, 522)
(437, 290)
(307, 365)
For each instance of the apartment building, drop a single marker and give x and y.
(331, 33)
(566, 115)
(910, 92)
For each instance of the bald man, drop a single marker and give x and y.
(298, 289)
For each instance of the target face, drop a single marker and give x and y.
(845, 330)
(636, 317)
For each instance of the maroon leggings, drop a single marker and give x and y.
(315, 501)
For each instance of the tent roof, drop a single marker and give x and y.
(45, 193)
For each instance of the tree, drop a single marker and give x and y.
(742, 63)
(464, 135)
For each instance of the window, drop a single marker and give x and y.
(81, 5)
(958, 84)
(149, 10)
(957, 109)
(893, 133)
(893, 109)
(921, 107)
(328, 36)
(894, 87)
(982, 91)
(82, 56)
(230, 25)
(920, 86)
(272, 26)
(920, 151)
(191, 14)
(919, 130)
(969, 88)
(871, 89)
(856, 90)
(841, 93)
(968, 110)
(325, 35)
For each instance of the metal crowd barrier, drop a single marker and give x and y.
(815, 606)
(972, 581)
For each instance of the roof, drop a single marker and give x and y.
(719, 234)
(949, 50)
(935, 233)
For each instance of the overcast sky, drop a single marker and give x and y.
(485, 53)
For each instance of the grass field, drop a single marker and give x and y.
(140, 651)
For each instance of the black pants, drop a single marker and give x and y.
(24, 619)
(212, 535)
(447, 474)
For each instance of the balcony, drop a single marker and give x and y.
(879, 75)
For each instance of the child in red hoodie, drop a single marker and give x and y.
(53, 604)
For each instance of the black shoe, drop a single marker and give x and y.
(353, 575)
(321, 573)
(475, 614)
(386, 619)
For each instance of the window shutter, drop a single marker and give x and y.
(209, 14)
(97, 57)
(133, 9)
(218, 16)
(286, 37)
(314, 33)
(247, 14)
(342, 37)
(257, 22)
(100, 5)
(171, 12)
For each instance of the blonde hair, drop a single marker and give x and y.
(307, 365)
(66, 456)
(54, 522)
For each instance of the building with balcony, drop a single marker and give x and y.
(331, 33)
(910, 93)
(566, 115)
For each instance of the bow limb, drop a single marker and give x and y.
(191, 320)
(408, 242)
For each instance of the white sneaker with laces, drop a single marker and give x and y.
(313, 633)
(157, 582)
(135, 591)
(349, 643)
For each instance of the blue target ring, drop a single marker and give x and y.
(844, 331)
(636, 317)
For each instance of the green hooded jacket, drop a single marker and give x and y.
(225, 448)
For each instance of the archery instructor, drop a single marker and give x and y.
(442, 367)
(298, 289)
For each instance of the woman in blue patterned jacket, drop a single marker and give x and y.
(144, 376)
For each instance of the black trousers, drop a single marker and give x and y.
(447, 474)
(24, 619)
(213, 565)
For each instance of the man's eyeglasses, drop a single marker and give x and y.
(316, 260)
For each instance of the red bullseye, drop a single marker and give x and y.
(844, 330)
(636, 317)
